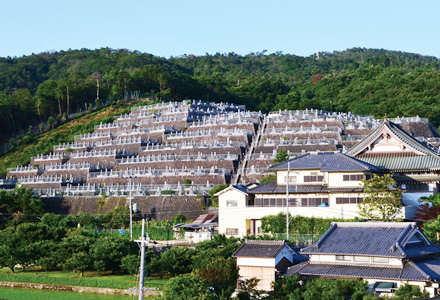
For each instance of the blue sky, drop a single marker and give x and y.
(173, 28)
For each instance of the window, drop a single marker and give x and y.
(292, 179)
(343, 257)
(417, 187)
(292, 202)
(231, 203)
(348, 200)
(362, 259)
(281, 202)
(381, 260)
(353, 177)
(271, 202)
(313, 202)
(232, 231)
(313, 178)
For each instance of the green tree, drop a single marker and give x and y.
(268, 178)
(50, 121)
(20, 205)
(214, 190)
(286, 286)
(407, 292)
(222, 274)
(248, 289)
(187, 287)
(382, 200)
(78, 262)
(431, 229)
(433, 199)
(9, 254)
(47, 253)
(281, 156)
(177, 260)
(130, 263)
(110, 250)
(179, 218)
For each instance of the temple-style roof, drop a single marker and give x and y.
(326, 162)
(261, 248)
(402, 240)
(391, 148)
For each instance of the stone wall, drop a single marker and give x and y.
(159, 207)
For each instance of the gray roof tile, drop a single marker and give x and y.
(371, 239)
(430, 266)
(273, 188)
(326, 162)
(429, 159)
(260, 248)
(408, 272)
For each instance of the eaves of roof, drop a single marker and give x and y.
(273, 188)
(408, 272)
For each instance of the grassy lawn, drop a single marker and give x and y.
(90, 279)
(35, 294)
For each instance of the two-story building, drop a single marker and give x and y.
(386, 255)
(320, 184)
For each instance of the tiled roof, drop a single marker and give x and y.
(402, 163)
(273, 188)
(372, 239)
(410, 271)
(398, 132)
(428, 160)
(260, 248)
(241, 188)
(430, 266)
(326, 162)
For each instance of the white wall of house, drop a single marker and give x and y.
(319, 258)
(337, 180)
(262, 268)
(231, 217)
(332, 179)
(256, 262)
(236, 220)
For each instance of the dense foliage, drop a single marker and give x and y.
(382, 198)
(299, 225)
(38, 87)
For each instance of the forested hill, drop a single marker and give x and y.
(364, 81)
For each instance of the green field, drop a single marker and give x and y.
(19, 294)
(90, 279)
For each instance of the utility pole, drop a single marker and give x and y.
(130, 198)
(142, 241)
(287, 200)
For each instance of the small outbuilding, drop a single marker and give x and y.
(264, 260)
